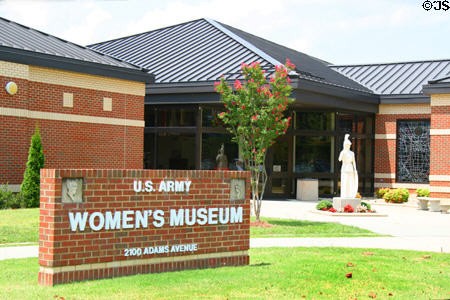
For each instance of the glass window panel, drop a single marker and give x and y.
(176, 117)
(369, 124)
(280, 155)
(314, 121)
(413, 151)
(211, 143)
(368, 167)
(149, 116)
(149, 151)
(359, 148)
(279, 185)
(175, 151)
(360, 125)
(210, 119)
(314, 154)
(326, 187)
(345, 122)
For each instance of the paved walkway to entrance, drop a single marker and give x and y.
(408, 228)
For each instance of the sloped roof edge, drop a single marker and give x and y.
(23, 44)
(400, 78)
(74, 65)
(437, 86)
(389, 63)
(243, 42)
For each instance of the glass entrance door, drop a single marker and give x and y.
(279, 168)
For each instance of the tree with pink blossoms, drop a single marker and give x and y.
(255, 116)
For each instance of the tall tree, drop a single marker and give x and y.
(255, 116)
(30, 188)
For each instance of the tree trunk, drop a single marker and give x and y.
(258, 183)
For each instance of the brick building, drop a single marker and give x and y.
(88, 107)
(412, 123)
(397, 113)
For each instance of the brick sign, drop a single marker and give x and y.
(108, 223)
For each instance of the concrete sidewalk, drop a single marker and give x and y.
(401, 220)
(408, 228)
(18, 252)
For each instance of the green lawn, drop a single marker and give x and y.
(19, 226)
(274, 273)
(297, 228)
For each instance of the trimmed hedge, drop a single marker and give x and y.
(423, 192)
(396, 196)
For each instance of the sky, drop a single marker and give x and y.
(337, 31)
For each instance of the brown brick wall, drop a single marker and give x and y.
(384, 156)
(65, 255)
(440, 141)
(99, 141)
(49, 97)
(441, 117)
(15, 137)
(387, 124)
(439, 156)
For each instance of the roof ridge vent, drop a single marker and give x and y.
(246, 44)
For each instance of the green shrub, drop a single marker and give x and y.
(396, 196)
(380, 192)
(16, 201)
(30, 187)
(324, 205)
(5, 196)
(423, 192)
(8, 199)
(367, 205)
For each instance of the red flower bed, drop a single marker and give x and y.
(348, 208)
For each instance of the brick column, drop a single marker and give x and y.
(440, 146)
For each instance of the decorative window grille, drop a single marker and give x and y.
(413, 151)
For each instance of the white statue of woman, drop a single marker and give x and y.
(349, 175)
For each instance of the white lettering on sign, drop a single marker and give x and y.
(202, 216)
(166, 186)
(135, 219)
(117, 220)
(146, 186)
(160, 249)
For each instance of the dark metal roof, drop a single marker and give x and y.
(22, 44)
(403, 78)
(203, 50)
(189, 52)
(437, 86)
(445, 79)
(308, 67)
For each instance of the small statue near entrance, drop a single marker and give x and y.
(349, 175)
(349, 179)
(221, 159)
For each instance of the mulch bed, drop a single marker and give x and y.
(262, 224)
